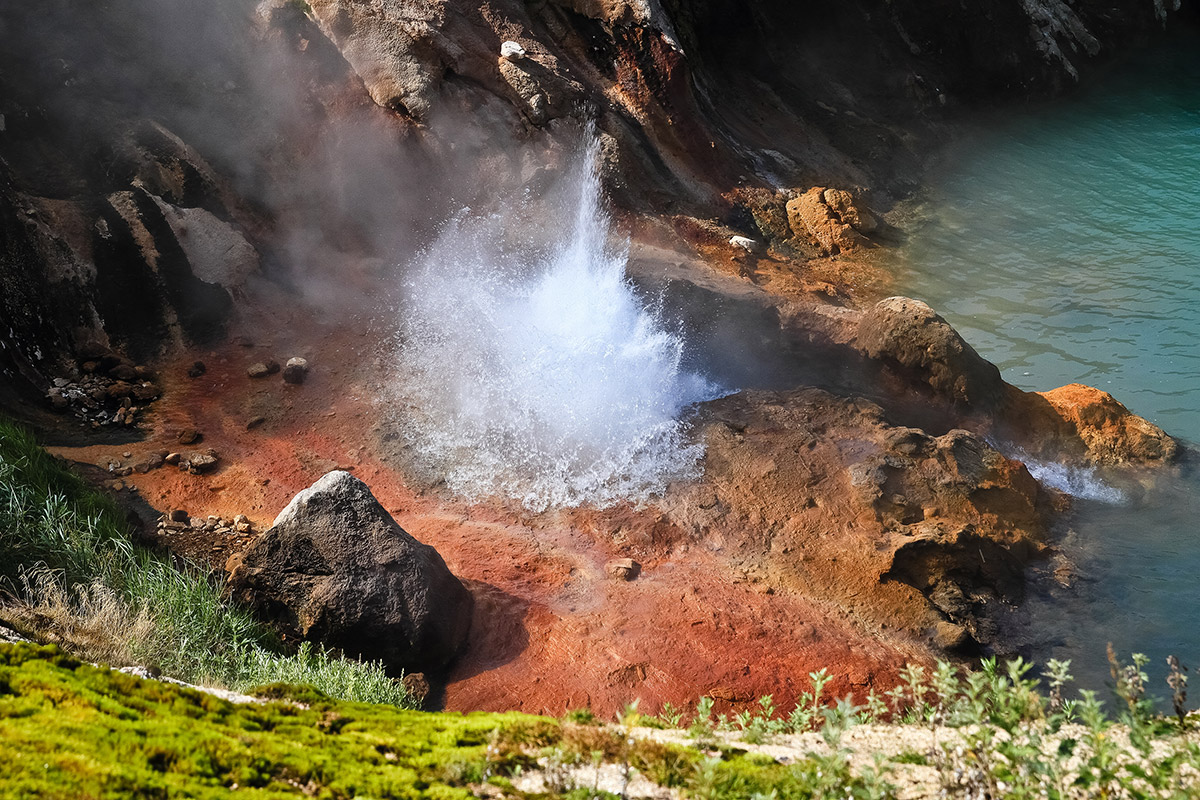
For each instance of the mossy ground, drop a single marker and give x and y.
(69, 729)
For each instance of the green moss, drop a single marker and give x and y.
(73, 730)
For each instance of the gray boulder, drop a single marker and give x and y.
(335, 568)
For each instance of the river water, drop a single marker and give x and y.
(1064, 244)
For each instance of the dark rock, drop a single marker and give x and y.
(336, 568)
(124, 372)
(296, 370)
(200, 463)
(197, 369)
(179, 515)
(254, 423)
(145, 392)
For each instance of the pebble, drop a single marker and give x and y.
(296, 370)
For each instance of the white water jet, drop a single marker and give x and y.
(531, 369)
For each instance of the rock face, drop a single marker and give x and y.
(911, 530)
(1090, 424)
(336, 568)
(914, 340)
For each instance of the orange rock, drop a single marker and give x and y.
(1111, 433)
(811, 215)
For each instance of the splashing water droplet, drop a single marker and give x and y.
(534, 371)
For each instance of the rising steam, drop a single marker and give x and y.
(531, 369)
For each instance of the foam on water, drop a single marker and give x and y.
(1081, 482)
(530, 367)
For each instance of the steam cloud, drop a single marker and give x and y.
(530, 367)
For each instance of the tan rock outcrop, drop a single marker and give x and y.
(832, 219)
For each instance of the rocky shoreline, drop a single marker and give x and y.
(861, 503)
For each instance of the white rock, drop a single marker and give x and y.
(749, 245)
(512, 51)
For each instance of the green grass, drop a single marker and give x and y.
(67, 566)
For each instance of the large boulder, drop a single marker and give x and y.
(337, 569)
(912, 339)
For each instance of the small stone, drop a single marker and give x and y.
(144, 373)
(119, 389)
(197, 369)
(295, 371)
(949, 636)
(189, 436)
(172, 458)
(89, 366)
(625, 569)
(200, 463)
(242, 527)
(197, 523)
(254, 423)
(747, 244)
(512, 51)
(57, 400)
(257, 370)
(240, 518)
(124, 372)
(146, 391)
(61, 382)
(179, 515)
(122, 472)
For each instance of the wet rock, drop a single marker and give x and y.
(913, 341)
(296, 370)
(336, 568)
(623, 569)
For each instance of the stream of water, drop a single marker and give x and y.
(1064, 244)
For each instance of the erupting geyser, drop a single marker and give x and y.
(530, 367)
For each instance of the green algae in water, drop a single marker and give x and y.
(1064, 244)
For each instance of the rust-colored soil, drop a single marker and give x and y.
(552, 629)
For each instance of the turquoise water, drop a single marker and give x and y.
(1064, 244)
